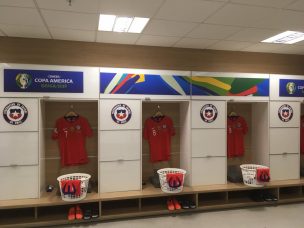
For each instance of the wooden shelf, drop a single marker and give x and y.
(50, 209)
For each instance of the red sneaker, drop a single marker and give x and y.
(71, 214)
(79, 213)
(176, 204)
(170, 205)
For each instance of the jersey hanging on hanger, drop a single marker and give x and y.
(71, 135)
(236, 129)
(158, 131)
(302, 135)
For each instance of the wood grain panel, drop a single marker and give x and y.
(57, 52)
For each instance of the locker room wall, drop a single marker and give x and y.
(57, 52)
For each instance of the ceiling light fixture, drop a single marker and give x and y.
(288, 37)
(122, 24)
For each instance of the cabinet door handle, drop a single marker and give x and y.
(13, 165)
(208, 156)
(284, 153)
(120, 160)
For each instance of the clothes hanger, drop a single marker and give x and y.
(158, 113)
(233, 113)
(71, 112)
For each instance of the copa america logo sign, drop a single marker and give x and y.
(23, 80)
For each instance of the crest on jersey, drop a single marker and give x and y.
(285, 113)
(15, 113)
(208, 113)
(121, 113)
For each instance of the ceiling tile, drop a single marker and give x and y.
(25, 31)
(20, 16)
(168, 28)
(70, 20)
(69, 34)
(86, 6)
(139, 8)
(187, 10)
(194, 43)
(116, 37)
(230, 45)
(213, 31)
(282, 19)
(297, 5)
(164, 41)
(264, 47)
(253, 34)
(239, 15)
(269, 3)
(18, 3)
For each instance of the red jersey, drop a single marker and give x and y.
(236, 129)
(158, 132)
(302, 135)
(71, 135)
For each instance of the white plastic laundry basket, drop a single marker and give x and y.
(163, 179)
(249, 175)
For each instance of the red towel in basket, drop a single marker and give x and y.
(263, 174)
(71, 187)
(175, 180)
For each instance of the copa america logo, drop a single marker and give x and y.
(121, 113)
(23, 80)
(291, 87)
(15, 113)
(285, 113)
(208, 113)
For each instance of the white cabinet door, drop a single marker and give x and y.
(284, 114)
(208, 142)
(116, 145)
(18, 148)
(284, 140)
(19, 182)
(119, 176)
(18, 114)
(208, 171)
(284, 167)
(120, 114)
(208, 114)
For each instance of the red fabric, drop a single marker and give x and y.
(71, 136)
(71, 186)
(159, 132)
(302, 135)
(174, 179)
(236, 129)
(263, 174)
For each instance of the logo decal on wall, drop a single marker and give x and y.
(208, 113)
(121, 113)
(291, 87)
(23, 80)
(15, 113)
(285, 113)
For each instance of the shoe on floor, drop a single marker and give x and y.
(87, 214)
(71, 214)
(170, 204)
(79, 213)
(95, 213)
(177, 206)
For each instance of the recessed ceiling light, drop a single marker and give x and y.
(288, 37)
(122, 24)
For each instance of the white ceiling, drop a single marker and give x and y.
(236, 25)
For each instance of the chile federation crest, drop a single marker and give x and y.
(121, 113)
(15, 113)
(285, 113)
(208, 113)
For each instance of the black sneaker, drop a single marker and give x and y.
(269, 197)
(87, 214)
(95, 213)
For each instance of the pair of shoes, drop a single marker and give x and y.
(75, 213)
(263, 196)
(173, 204)
(187, 204)
(90, 214)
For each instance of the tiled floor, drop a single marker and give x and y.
(283, 216)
